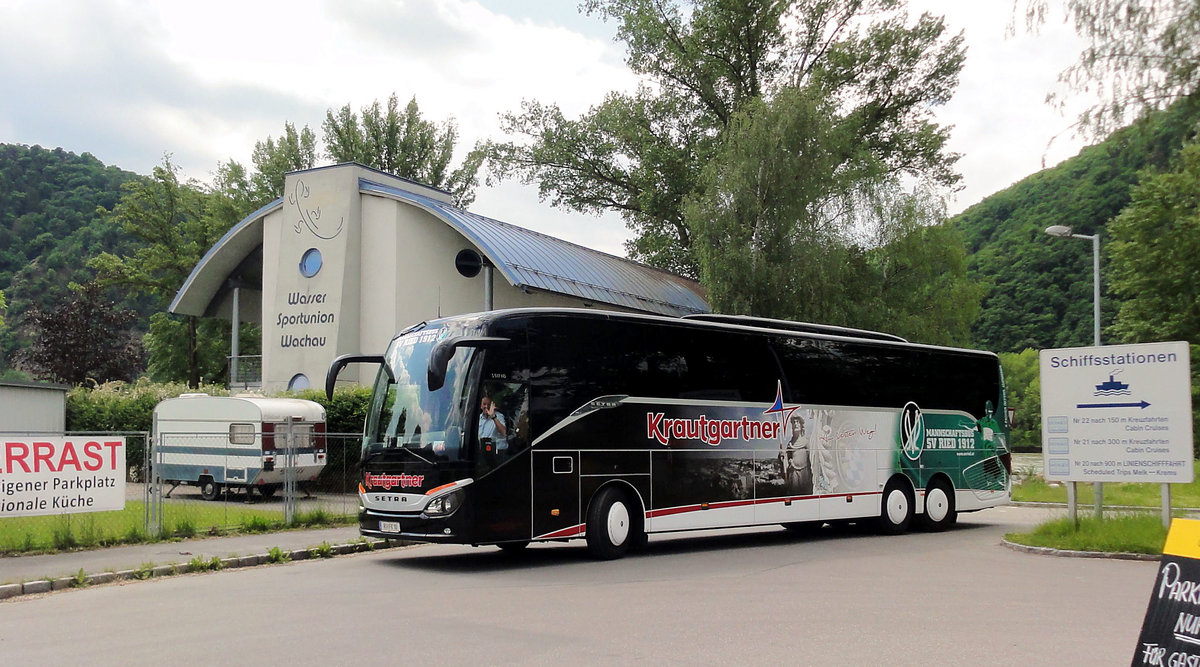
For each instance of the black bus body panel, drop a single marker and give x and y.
(567, 359)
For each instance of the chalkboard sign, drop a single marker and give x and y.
(1171, 631)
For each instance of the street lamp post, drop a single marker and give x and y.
(1066, 232)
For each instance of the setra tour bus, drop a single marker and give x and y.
(533, 424)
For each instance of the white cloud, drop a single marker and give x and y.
(130, 80)
(1002, 126)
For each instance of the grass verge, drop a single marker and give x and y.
(44, 534)
(1034, 489)
(1123, 533)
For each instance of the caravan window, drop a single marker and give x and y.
(241, 434)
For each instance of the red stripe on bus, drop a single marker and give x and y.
(683, 509)
(565, 532)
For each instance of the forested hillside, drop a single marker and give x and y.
(49, 228)
(1039, 288)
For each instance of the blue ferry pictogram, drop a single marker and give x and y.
(1112, 387)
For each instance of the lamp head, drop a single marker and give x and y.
(1058, 230)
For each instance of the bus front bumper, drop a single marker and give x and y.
(408, 526)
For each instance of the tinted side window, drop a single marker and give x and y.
(847, 373)
(575, 360)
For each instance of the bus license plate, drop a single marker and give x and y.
(389, 526)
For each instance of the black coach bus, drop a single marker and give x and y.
(527, 425)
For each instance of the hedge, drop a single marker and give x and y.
(129, 407)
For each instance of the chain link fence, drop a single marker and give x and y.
(186, 485)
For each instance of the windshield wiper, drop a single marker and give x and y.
(414, 453)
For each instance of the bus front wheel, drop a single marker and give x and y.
(939, 508)
(610, 525)
(897, 512)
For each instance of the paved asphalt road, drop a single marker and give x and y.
(734, 597)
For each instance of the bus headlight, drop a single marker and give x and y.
(445, 504)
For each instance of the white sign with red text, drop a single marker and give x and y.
(61, 475)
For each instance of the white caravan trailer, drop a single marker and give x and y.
(237, 442)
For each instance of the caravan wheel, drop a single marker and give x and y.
(209, 490)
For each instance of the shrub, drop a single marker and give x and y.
(347, 412)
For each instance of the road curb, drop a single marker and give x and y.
(274, 557)
(1067, 553)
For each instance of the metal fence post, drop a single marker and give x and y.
(289, 472)
(152, 492)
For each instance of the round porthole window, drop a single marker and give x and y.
(310, 262)
(298, 381)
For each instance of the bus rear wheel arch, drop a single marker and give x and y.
(897, 509)
(614, 523)
(940, 512)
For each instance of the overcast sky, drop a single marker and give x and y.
(129, 81)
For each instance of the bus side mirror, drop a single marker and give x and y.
(439, 358)
(347, 359)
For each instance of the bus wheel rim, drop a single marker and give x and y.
(897, 507)
(618, 523)
(936, 504)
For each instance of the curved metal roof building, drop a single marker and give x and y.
(375, 253)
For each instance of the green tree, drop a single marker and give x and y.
(920, 286)
(1152, 255)
(1023, 385)
(48, 229)
(797, 223)
(3, 309)
(272, 160)
(403, 143)
(642, 154)
(1141, 55)
(87, 337)
(1152, 261)
(177, 224)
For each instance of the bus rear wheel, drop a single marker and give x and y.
(611, 528)
(897, 512)
(209, 490)
(939, 508)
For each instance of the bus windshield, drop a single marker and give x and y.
(404, 414)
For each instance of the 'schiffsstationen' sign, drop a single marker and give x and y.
(1117, 413)
(1171, 631)
(61, 475)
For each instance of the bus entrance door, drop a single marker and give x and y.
(555, 494)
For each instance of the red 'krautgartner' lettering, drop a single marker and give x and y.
(709, 431)
(386, 481)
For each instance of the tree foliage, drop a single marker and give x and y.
(295, 150)
(1141, 55)
(85, 338)
(402, 142)
(177, 222)
(1023, 389)
(642, 154)
(795, 224)
(1153, 255)
(48, 227)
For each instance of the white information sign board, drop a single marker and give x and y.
(1117, 413)
(61, 475)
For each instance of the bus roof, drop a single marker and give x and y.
(762, 325)
(788, 325)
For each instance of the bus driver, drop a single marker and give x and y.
(491, 422)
